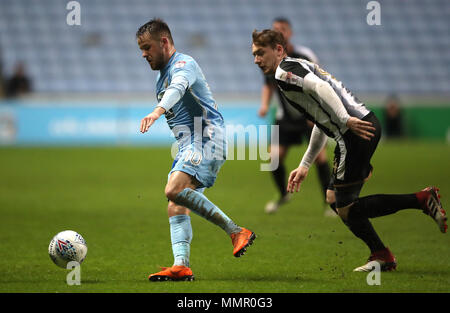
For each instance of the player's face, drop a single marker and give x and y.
(284, 29)
(152, 51)
(266, 58)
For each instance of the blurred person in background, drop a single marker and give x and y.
(393, 117)
(2, 80)
(19, 83)
(293, 125)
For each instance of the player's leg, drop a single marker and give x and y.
(360, 226)
(180, 233)
(356, 211)
(181, 237)
(279, 176)
(356, 216)
(351, 167)
(378, 205)
(323, 171)
(181, 190)
(358, 156)
(330, 199)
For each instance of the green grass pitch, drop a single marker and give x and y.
(114, 198)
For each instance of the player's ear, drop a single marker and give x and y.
(279, 49)
(164, 41)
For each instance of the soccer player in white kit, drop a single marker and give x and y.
(338, 114)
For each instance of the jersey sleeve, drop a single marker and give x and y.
(290, 75)
(187, 69)
(327, 98)
(316, 143)
(184, 75)
(295, 68)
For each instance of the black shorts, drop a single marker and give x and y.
(351, 164)
(292, 133)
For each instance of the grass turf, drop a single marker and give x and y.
(114, 198)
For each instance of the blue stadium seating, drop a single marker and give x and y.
(409, 52)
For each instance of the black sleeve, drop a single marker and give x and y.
(295, 68)
(270, 80)
(298, 55)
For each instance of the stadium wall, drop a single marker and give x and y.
(109, 123)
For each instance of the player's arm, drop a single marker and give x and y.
(174, 92)
(266, 96)
(317, 87)
(148, 121)
(183, 76)
(316, 143)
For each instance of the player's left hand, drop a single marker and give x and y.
(296, 177)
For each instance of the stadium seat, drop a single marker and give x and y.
(407, 52)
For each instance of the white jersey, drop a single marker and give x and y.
(298, 92)
(292, 117)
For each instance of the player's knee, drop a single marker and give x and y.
(172, 191)
(330, 197)
(175, 209)
(343, 212)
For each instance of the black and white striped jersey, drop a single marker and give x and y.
(291, 118)
(298, 79)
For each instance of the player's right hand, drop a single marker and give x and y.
(363, 129)
(148, 121)
(296, 177)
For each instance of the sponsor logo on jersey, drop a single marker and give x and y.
(180, 64)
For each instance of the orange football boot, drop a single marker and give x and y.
(241, 241)
(174, 273)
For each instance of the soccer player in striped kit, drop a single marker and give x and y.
(338, 114)
(293, 126)
(191, 112)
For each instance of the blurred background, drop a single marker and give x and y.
(88, 84)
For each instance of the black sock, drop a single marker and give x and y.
(363, 229)
(333, 207)
(381, 205)
(279, 175)
(324, 172)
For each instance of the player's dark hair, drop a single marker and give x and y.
(282, 19)
(268, 37)
(156, 28)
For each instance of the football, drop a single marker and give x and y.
(67, 246)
